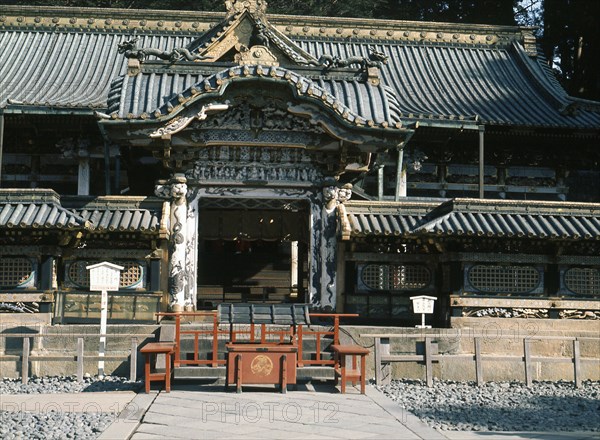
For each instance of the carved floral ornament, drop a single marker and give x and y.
(257, 7)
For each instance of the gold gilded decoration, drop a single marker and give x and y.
(255, 55)
(261, 365)
(256, 7)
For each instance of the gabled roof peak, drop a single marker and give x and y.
(254, 7)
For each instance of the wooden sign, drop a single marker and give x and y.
(104, 276)
(423, 304)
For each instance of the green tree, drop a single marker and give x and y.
(572, 37)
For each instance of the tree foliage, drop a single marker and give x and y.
(568, 29)
(572, 36)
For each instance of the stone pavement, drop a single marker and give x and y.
(311, 412)
(192, 411)
(104, 402)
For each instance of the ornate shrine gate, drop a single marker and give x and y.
(257, 147)
(248, 130)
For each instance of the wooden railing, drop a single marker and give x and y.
(319, 334)
(383, 357)
(214, 332)
(25, 357)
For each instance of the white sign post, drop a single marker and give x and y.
(423, 305)
(104, 277)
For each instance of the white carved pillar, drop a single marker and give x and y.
(176, 191)
(294, 268)
(191, 252)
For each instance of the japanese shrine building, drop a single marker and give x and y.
(346, 163)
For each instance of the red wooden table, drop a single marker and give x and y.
(156, 348)
(261, 364)
(354, 374)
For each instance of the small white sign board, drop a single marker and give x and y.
(104, 277)
(424, 305)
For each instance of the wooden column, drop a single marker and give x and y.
(481, 161)
(294, 268)
(1, 143)
(83, 177)
(380, 182)
(400, 176)
(107, 188)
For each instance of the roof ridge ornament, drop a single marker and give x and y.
(255, 7)
(131, 51)
(375, 59)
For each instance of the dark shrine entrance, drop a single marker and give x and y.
(253, 251)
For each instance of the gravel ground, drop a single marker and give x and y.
(500, 406)
(53, 424)
(67, 384)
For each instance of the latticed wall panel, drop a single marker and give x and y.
(581, 281)
(132, 276)
(503, 279)
(17, 272)
(394, 277)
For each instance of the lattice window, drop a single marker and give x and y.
(15, 272)
(583, 281)
(410, 277)
(504, 279)
(396, 277)
(376, 277)
(80, 276)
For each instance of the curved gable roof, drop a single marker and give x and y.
(152, 95)
(66, 59)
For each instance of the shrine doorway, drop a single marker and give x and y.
(253, 254)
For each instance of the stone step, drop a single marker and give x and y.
(201, 372)
(306, 355)
(205, 346)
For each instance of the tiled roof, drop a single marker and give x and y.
(497, 85)
(474, 217)
(438, 79)
(27, 209)
(65, 69)
(118, 213)
(153, 95)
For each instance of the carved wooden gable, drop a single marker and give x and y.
(246, 37)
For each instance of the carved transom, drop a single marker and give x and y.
(248, 203)
(239, 164)
(245, 116)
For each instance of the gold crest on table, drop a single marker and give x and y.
(261, 365)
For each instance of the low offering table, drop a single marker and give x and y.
(257, 364)
(265, 362)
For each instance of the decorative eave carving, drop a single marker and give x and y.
(181, 122)
(187, 23)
